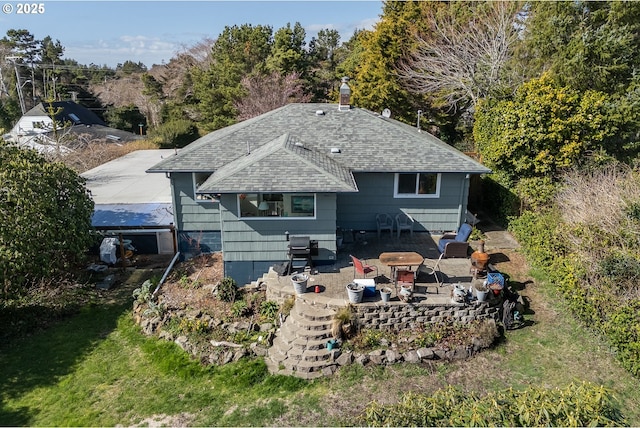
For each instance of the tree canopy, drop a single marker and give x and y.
(544, 129)
(45, 218)
(584, 44)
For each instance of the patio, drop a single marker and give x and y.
(332, 279)
(300, 346)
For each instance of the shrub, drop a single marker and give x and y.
(500, 202)
(576, 405)
(45, 219)
(484, 332)
(186, 326)
(175, 133)
(144, 293)
(287, 305)
(343, 322)
(228, 290)
(368, 339)
(537, 233)
(240, 309)
(269, 310)
(624, 334)
(536, 192)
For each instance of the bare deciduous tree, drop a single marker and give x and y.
(464, 59)
(265, 93)
(88, 152)
(173, 76)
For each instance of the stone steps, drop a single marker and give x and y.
(313, 313)
(299, 348)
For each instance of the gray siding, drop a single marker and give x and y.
(251, 245)
(358, 211)
(249, 239)
(193, 242)
(190, 214)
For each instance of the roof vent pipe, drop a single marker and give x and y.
(345, 95)
(419, 115)
(248, 148)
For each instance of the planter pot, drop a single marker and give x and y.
(405, 293)
(481, 290)
(481, 295)
(385, 294)
(355, 292)
(458, 294)
(299, 282)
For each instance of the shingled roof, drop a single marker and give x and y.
(334, 142)
(286, 156)
(67, 111)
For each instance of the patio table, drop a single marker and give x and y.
(395, 259)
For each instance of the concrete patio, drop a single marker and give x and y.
(332, 279)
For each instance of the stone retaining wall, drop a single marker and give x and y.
(403, 316)
(394, 314)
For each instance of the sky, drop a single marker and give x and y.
(153, 31)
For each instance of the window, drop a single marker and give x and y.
(198, 179)
(298, 205)
(75, 118)
(420, 185)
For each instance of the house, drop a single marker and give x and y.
(308, 169)
(35, 128)
(133, 204)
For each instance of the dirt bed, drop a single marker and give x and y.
(191, 284)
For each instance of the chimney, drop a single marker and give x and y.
(345, 95)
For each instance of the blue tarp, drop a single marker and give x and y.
(132, 215)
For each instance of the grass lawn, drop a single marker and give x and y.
(95, 368)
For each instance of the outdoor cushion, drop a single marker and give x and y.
(463, 234)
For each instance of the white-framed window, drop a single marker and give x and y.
(277, 205)
(417, 185)
(198, 179)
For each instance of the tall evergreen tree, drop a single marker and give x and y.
(584, 44)
(288, 54)
(323, 59)
(238, 51)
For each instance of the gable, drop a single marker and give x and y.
(282, 165)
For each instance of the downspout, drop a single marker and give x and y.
(166, 273)
(174, 233)
(463, 186)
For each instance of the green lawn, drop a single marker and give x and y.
(95, 368)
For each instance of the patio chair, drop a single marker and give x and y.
(431, 270)
(404, 222)
(472, 218)
(455, 244)
(362, 268)
(384, 222)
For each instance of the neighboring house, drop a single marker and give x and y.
(35, 128)
(308, 169)
(133, 204)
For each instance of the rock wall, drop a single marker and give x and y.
(403, 316)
